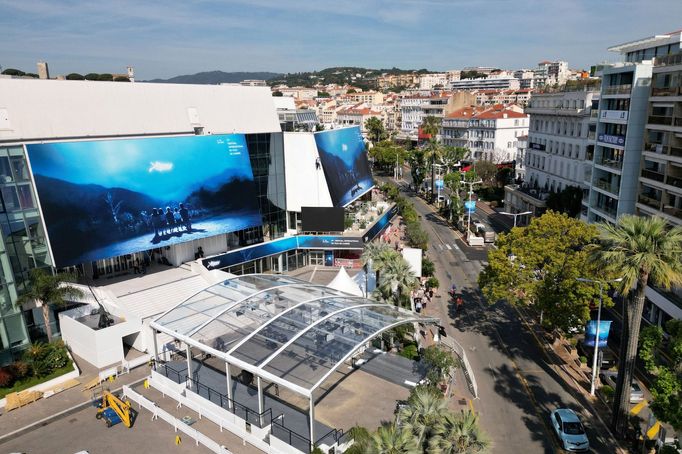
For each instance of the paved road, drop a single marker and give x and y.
(517, 385)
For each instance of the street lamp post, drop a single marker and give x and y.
(516, 215)
(596, 333)
(471, 192)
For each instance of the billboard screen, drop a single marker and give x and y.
(113, 197)
(316, 219)
(344, 161)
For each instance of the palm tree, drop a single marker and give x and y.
(375, 129)
(453, 155)
(426, 408)
(48, 290)
(458, 434)
(431, 126)
(433, 153)
(398, 277)
(362, 440)
(641, 251)
(381, 254)
(389, 439)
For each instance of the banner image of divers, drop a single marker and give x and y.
(344, 161)
(113, 197)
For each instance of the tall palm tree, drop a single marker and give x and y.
(426, 408)
(433, 153)
(458, 434)
(389, 439)
(381, 254)
(398, 277)
(642, 251)
(48, 290)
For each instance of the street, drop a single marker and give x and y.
(518, 384)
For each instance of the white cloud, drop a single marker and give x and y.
(160, 166)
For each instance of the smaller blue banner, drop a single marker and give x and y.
(470, 206)
(439, 183)
(591, 331)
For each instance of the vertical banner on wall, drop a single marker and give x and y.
(344, 161)
(591, 331)
(109, 198)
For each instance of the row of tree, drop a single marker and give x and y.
(71, 76)
(538, 266)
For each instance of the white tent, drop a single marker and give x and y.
(344, 283)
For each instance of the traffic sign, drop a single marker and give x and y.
(470, 205)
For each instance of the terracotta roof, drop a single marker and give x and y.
(492, 112)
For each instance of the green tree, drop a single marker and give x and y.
(386, 153)
(375, 129)
(362, 440)
(438, 363)
(452, 156)
(486, 171)
(106, 77)
(666, 388)
(13, 72)
(398, 278)
(351, 91)
(389, 439)
(642, 251)
(417, 161)
(538, 266)
(49, 291)
(426, 407)
(458, 434)
(431, 125)
(277, 94)
(92, 76)
(323, 94)
(75, 76)
(568, 201)
(121, 79)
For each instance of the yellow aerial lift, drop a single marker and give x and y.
(113, 410)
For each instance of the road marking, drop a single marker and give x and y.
(456, 247)
(440, 246)
(637, 408)
(651, 433)
(448, 246)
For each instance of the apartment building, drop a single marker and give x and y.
(367, 97)
(397, 80)
(431, 81)
(660, 179)
(520, 159)
(492, 97)
(489, 83)
(490, 133)
(357, 116)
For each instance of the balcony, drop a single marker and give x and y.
(610, 210)
(594, 113)
(619, 116)
(675, 151)
(612, 163)
(668, 60)
(652, 175)
(678, 121)
(605, 185)
(659, 120)
(624, 89)
(672, 211)
(649, 201)
(666, 91)
(591, 135)
(673, 181)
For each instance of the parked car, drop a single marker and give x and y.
(610, 378)
(570, 430)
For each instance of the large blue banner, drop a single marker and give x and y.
(113, 197)
(591, 331)
(344, 161)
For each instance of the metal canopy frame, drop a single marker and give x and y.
(380, 317)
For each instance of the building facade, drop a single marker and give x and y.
(489, 83)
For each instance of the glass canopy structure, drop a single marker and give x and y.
(279, 328)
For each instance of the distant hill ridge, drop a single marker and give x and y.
(217, 77)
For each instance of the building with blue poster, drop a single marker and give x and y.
(127, 178)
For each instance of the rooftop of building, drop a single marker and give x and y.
(650, 41)
(498, 111)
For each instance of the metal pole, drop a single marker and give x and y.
(260, 400)
(596, 341)
(229, 385)
(312, 422)
(156, 348)
(515, 216)
(189, 366)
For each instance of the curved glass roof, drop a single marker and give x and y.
(284, 329)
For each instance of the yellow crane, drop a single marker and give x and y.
(113, 410)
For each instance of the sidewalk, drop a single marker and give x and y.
(47, 407)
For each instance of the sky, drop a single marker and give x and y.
(166, 38)
(163, 168)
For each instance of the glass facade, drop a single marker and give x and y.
(267, 161)
(23, 247)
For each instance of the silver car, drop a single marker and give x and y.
(570, 430)
(610, 378)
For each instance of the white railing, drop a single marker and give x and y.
(178, 425)
(468, 371)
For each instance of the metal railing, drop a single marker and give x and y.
(623, 89)
(660, 120)
(652, 175)
(457, 348)
(298, 441)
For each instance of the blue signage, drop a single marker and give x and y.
(470, 206)
(380, 224)
(613, 140)
(439, 183)
(591, 330)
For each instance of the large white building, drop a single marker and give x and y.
(489, 83)
(490, 133)
(430, 81)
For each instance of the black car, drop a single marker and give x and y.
(608, 359)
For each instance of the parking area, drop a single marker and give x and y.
(81, 431)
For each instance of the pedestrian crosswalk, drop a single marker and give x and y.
(444, 246)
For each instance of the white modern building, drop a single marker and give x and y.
(489, 83)
(430, 81)
(490, 133)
